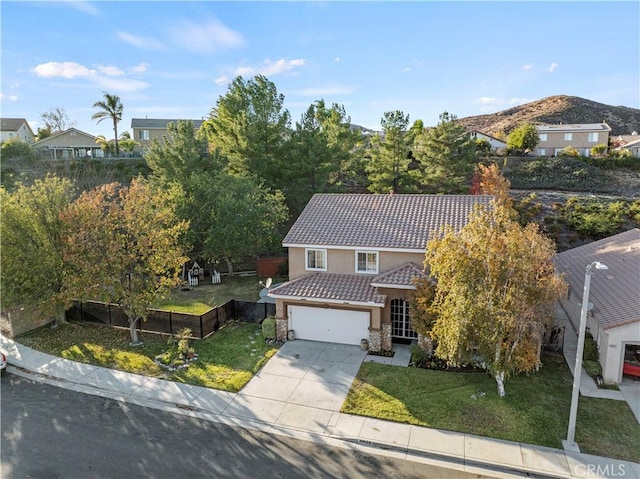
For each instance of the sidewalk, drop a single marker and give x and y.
(452, 450)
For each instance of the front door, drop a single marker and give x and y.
(400, 321)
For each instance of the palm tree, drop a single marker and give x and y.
(111, 107)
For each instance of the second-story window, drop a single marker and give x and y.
(568, 136)
(543, 136)
(143, 135)
(593, 137)
(316, 259)
(366, 261)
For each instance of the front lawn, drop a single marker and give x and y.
(227, 359)
(200, 299)
(535, 410)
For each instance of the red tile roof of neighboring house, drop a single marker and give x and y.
(404, 222)
(615, 293)
(400, 277)
(332, 288)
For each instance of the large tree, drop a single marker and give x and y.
(496, 292)
(320, 146)
(54, 121)
(389, 168)
(110, 107)
(523, 139)
(447, 156)
(249, 126)
(31, 238)
(123, 245)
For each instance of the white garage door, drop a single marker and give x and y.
(330, 325)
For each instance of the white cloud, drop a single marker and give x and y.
(324, 91)
(488, 100)
(84, 7)
(110, 71)
(552, 68)
(11, 98)
(103, 76)
(336, 59)
(141, 68)
(209, 37)
(270, 68)
(221, 80)
(406, 69)
(528, 66)
(144, 43)
(68, 70)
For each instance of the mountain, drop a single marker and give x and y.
(557, 109)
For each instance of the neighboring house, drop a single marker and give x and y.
(16, 129)
(582, 137)
(352, 261)
(145, 129)
(629, 142)
(68, 144)
(614, 297)
(496, 144)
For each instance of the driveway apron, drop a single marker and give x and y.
(307, 374)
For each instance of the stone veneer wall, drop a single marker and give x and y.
(425, 342)
(282, 328)
(374, 340)
(386, 337)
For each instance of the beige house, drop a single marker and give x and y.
(613, 318)
(16, 129)
(68, 144)
(145, 129)
(584, 136)
(352, 261)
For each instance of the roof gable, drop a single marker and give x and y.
(404, 222)
(75, 138)
(615, 293)
(13, 124)
(157, 123)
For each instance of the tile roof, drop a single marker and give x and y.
(379, 221)
(400, 277)
(615, 293)
(331, 287)
(12, 124)
(159, 123)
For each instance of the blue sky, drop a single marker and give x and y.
(175, 59)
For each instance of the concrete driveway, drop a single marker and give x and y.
(305, 381)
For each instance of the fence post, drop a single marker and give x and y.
(201, 332)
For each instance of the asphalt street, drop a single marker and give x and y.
(49, 432)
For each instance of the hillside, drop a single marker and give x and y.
(558, 109)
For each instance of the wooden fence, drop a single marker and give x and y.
(170, 322)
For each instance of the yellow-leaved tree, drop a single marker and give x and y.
(496, 292)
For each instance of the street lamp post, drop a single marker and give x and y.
(570, 443)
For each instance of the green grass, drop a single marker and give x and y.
(200, 299)
(227, 360)
(535, 410)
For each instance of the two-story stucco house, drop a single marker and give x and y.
(16, 129)
(352, 261)
(145, 129)
(583, 136)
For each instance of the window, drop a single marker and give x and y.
(366, 261)
(10, 135)
(593, 137)
(568, 136)
(143, 135)
(316, 259)
(542, 152)
(543, 137)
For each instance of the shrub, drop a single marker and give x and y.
(593, 368)
(599, 150)
(593, 217)
(418, 354)
(570, 152)
(590, 352)
(269, 328)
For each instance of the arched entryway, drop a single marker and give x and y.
(400, 322)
